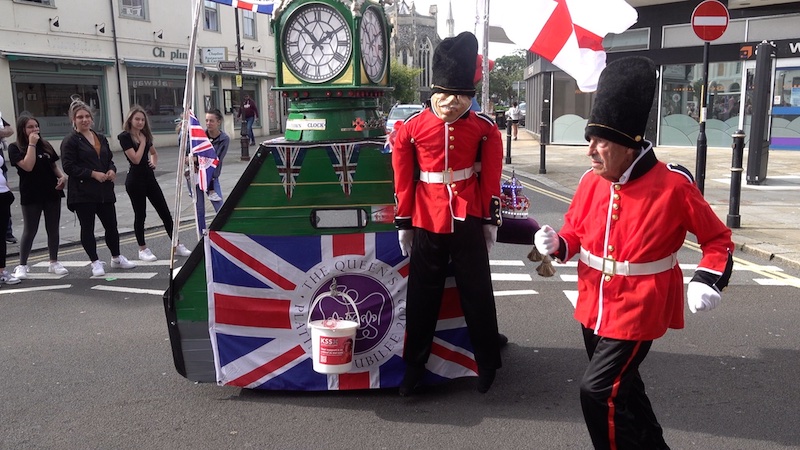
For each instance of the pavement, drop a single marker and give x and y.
(769, 213)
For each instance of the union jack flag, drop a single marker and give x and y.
(261, 289)
(206, 155)
(259, 6)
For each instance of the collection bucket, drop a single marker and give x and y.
(332, 340)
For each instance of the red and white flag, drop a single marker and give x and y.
(570, 33)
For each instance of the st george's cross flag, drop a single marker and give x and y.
(259, 6)
(201, 148)
(260, 289)
(570, 33)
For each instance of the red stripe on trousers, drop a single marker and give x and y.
(252, 311)
(612, 430)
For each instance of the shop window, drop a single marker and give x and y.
(133, 9)
(160, 93)
(48, 99)
(249, 24)
(785, 131)
(679, 112)
(637, 39)
(232, 99)
(211, 16)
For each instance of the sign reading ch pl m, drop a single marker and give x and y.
(233, 65)
(710, 20)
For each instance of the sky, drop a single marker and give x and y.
(509, 14)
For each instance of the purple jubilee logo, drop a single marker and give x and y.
(378, 292)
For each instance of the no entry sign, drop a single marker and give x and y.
(710, 20)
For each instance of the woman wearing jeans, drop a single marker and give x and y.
(41, 187)
(141, 183)
(86, 158)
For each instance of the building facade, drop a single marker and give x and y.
(413, 38)
(664, 33)
(118, 53)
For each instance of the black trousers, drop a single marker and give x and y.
(140, 191)
(615, 406)
(430, 256)
(107, 214)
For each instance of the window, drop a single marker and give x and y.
(249, 24)
(211, 16)
(133, 9)
(40, 2)
(637, 39)
(159, 92)
(424, 58)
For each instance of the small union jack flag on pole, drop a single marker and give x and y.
(207, 160)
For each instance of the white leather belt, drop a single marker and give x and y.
(611, 267)
(446, 177)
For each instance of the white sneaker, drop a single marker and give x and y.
(181, 250)
(214, 197)
(57, 268)
(122, 263)
(146, 255)
(21, 272)
(7, 278)
(97, 268)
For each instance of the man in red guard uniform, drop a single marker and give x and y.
(627, 221)
(446, 212)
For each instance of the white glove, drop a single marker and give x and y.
(490, 234)
(406, 238)
(702, 297)
(547, 240)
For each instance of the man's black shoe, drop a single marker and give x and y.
(411, 380)
(11, 239)
(485, 379)
(502, 339)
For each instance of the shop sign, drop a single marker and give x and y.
(213, 55)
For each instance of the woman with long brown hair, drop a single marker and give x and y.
(41, 187)
(141, 184)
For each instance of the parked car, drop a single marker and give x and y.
(400, 112)
(523, 108)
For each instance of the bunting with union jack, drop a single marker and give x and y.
(259, 6)
(261, 288)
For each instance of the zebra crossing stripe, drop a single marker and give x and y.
(128, 290)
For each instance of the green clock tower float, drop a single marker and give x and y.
(307, 234)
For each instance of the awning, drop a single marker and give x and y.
(11, 56)
(160, 65)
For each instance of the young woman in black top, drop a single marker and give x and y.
(141, 183)
(87, 160)
(41, 188)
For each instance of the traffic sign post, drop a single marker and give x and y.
(709, 22)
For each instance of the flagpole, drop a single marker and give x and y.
(485, 68)
(188, 95)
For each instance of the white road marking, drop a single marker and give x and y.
(128, 290)
(513, 293)
(34, 289)
(502, 262)
(127, 275)
(44, 276)
(777, 282)
(572, 296)
(511, 277)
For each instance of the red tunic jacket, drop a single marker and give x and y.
(432, 145)
(642, 218)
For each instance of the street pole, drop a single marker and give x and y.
(244, 139)
(485, 68)
(702, 141)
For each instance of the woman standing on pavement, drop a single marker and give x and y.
(41, 187)
(6, 199)
(141, 184)
(87, 160)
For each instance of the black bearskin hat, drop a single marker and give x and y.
(454, 65)
(624, 98)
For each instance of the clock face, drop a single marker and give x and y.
(373, 49)
(316, 43)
